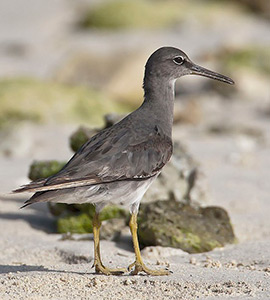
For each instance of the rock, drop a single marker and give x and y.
(56, 209)
(111, 229)
(83, 134)
(111, 119)
(112, 212)
(80, 136)
(173, 182)
(81, 223)
(77, 218)
(62, 209)
(172, 224)
(44, 169)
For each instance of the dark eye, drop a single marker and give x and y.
(179, 60)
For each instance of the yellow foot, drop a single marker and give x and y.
(140, 267)
(107, 271)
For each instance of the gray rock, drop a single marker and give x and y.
(172, 224)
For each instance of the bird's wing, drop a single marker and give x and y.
(109, 156)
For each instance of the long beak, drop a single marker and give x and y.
(198, 70)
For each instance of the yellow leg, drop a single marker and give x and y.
(99, 267)
(138, 265)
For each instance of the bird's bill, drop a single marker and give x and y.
(198, 70)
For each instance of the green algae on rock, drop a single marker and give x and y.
(77, 218)
(80, 136)
(81, 223)
(173, 224)
(44, 169)
(83, 134)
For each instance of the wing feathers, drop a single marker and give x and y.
(112, 155)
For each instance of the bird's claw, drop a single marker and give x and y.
(140, 267)
(108, 271)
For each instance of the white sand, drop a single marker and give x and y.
(38, 265)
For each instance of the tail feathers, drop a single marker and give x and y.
(32, 186)
(40, 185)
(56, 196)
(34, 199)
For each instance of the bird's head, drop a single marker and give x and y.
(171, 63)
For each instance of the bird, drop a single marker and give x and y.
(117, 165)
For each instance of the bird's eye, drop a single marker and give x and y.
(179, 60)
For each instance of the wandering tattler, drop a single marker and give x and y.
(119, 163)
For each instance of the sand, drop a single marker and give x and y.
(39, 265)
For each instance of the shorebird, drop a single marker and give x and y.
(118, 165)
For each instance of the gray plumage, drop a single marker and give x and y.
(118, 164)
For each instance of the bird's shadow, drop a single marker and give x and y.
(5, 269)
(38, 217)
(124, 242)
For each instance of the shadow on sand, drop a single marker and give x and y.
(6, 269)
(37, 216)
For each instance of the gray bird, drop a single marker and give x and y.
(118, 165)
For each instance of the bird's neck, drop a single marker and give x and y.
(159, 100)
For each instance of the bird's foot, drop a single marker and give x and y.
(107, 271)
(141, 267)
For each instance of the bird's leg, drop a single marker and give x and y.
(99, 267)
(138, 265)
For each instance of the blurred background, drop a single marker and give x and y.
(67, 63)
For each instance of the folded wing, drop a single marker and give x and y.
(109, 156)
